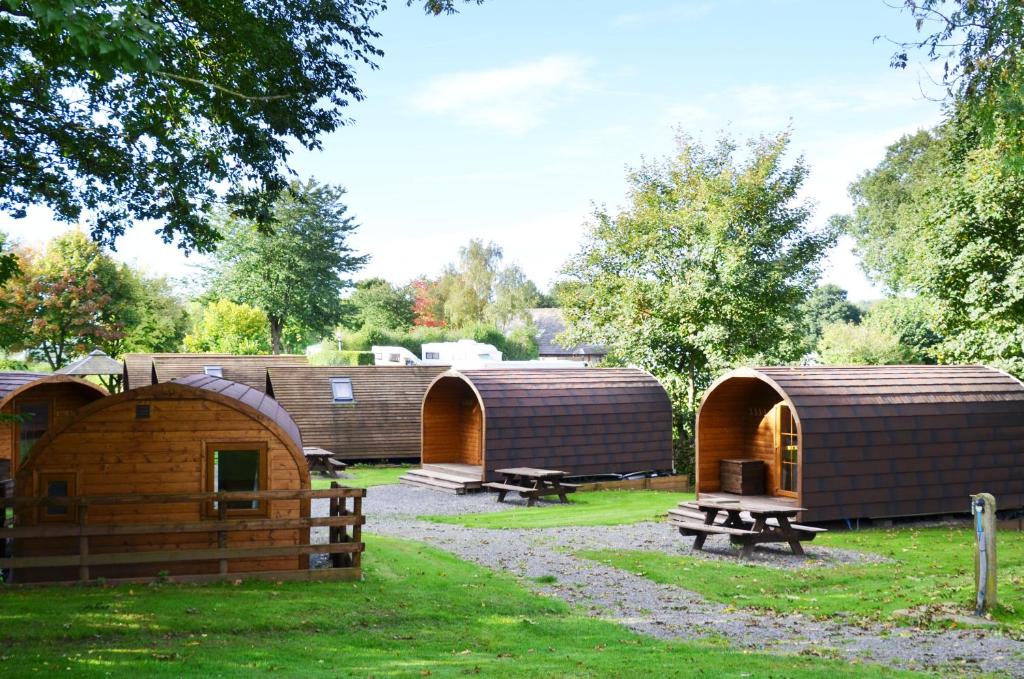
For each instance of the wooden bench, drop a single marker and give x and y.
(543, 482)
(702, 531)
(338, 465)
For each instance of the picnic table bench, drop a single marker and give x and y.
(531, 483)
(747, 523)
(320, 460)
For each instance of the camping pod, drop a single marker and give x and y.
(36, 403)
(867, 441)
(355, 412)
(198, 434)
(582, 421)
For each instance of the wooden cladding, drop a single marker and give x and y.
(583, 421)
(83, 550)
(871, 441)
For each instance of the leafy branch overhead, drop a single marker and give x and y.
(137, 110)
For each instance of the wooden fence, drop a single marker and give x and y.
(344, 545)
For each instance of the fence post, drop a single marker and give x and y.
(222, 535)
(983, 509)
(357, 530)
(83, 542)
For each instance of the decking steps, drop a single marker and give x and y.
(447, 482)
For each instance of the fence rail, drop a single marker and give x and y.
(344, 545)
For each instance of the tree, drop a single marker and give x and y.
(981, 46)
(892, 202)
(864, 344)
(825, 305)
(295, 274)
(514, 293)
(158, 320)
(706, 268)
(378, 303)
(467, 286)
(137, 110)
(427, 306)
(228, 328)
(60, 303)
(8, 260)
(912, 321)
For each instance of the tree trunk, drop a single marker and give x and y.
(276, 326)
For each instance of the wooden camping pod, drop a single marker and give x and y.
(162, 439)
(870, 441)
(57, 397)
(381, 420)
(582, 421)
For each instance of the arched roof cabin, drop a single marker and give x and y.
(42, 402)
(870, 441)
(582, 421)
(199, 434)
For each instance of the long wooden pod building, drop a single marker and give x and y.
(870, 441)
(141, 370)
(199, 434)
(357, 412)
(37, 403)
(582, 421)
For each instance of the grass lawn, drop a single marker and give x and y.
(597, 508)
(365, 475)
(932, 567)
(419, 612)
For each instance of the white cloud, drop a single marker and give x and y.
(511, 99)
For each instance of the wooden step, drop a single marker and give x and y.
(466, 481)
(433, 484)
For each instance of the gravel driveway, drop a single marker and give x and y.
(669, 612)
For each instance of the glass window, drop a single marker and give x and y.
(432, 356)
(789, 447)
(237, 470)
(33, 421)
(213, 370)
(341, 390)
(57, 485)
(394, 358)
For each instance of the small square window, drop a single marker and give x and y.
(57, 485)
(432, 356)
(379, 356)
(395, 358)
(141, 411)
(341, 390)
(237, 467)
(213, 370)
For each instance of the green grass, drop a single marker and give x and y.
(419, 612)
(599, 508)
(932, 567)
(365, 476)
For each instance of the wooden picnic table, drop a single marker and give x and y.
(531, 483)
(320, 460)
(769, 522)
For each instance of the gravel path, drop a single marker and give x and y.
(669, 612)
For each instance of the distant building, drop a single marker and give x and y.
(463, 353)
(550, 324)
(384, 355)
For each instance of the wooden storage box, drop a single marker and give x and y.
(743, 477)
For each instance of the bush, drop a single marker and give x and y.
(12, 364)
(327, 356)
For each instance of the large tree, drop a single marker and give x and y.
(377, 303)
(827, 304)
(223, 327)
(706, 267)
(136, 110)
(296, 273)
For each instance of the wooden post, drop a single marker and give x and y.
(983, 509)
(83, 542)
(357, 531)
(222, 536)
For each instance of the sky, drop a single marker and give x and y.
(512, 120)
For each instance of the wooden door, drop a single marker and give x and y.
(787, 452)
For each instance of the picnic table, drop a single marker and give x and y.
(768, 522)
(531, 483)
(320, 460)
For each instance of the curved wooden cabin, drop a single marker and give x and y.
(871, 441)
(42, 402)
(355, 412)
(197, 434)
(582, 421)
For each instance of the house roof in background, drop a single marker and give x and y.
(96, 363)
(145, 369)
(551, 323)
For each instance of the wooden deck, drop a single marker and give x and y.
(449, 477)
(768, 500)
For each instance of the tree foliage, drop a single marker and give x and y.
(863, 344)
(825, 305)
(707, 266)
(376, 302)
(295, 274)
(224, 327)
(136, 110)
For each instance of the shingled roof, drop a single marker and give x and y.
(145, 369)
(550, 324)
(252, 397)
(12, 381)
